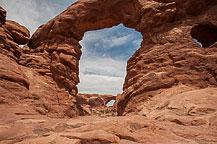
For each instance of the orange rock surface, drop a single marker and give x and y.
(168, 55)
(169, 94)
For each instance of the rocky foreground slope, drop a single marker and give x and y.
(169, 94)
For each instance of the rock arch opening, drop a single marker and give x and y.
(104, 58)
(59, 38)
(110, 103)
(206, 35)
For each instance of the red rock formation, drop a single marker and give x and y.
(14, 83)
(2, 16)
(95, 104)
(90, 98)
(20, 34)
(170, 84)
(189, 118)
(11, 35)
(21, 84)
(168, 55)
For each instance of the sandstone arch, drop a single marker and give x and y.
(165, 26)
(60, 36)
(164, 85)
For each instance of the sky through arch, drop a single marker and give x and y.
(104, 59)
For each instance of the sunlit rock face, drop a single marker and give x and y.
(12, 35)
(168, 55)
(170, 86)
(22, 75)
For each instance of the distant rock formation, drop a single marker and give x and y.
(95, 104)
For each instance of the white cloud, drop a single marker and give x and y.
(25, 15)
(100, 84)
(101, 75)
(93, 35)
(116, 41)
(32, 13)
(137, 42)
(103, 66)
(107, 39)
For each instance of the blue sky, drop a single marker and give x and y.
(198, 43)
(105, 52)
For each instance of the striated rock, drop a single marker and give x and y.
(26, 79)
(38, 62)
(118, 130)
(20, 84)
(95, 136)
(12, 35)
(47, 98)
(14, 84)
(2, 15)
(65, 71)
(19, 33)
(169, 57)
(26, 49)
(8, 46)
(187, 113)
(177, 115)
(163, 66)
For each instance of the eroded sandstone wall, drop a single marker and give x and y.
(22, 78)
(168, 55)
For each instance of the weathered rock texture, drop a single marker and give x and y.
(186, 118)
(94, 100)
(20, 34)
(11, 35)
(171, 81)
(95, 104)
(168, 55)
(22, 76)
(28, 127)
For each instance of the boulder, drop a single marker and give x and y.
(20, 34)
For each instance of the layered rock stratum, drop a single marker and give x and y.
(170, 90)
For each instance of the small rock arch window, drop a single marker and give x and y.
(110, 103)
(205, 35)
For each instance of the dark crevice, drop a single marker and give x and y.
(212, 72)
(126, 137)
(204, 34)
(20, 81)
(178, 122)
